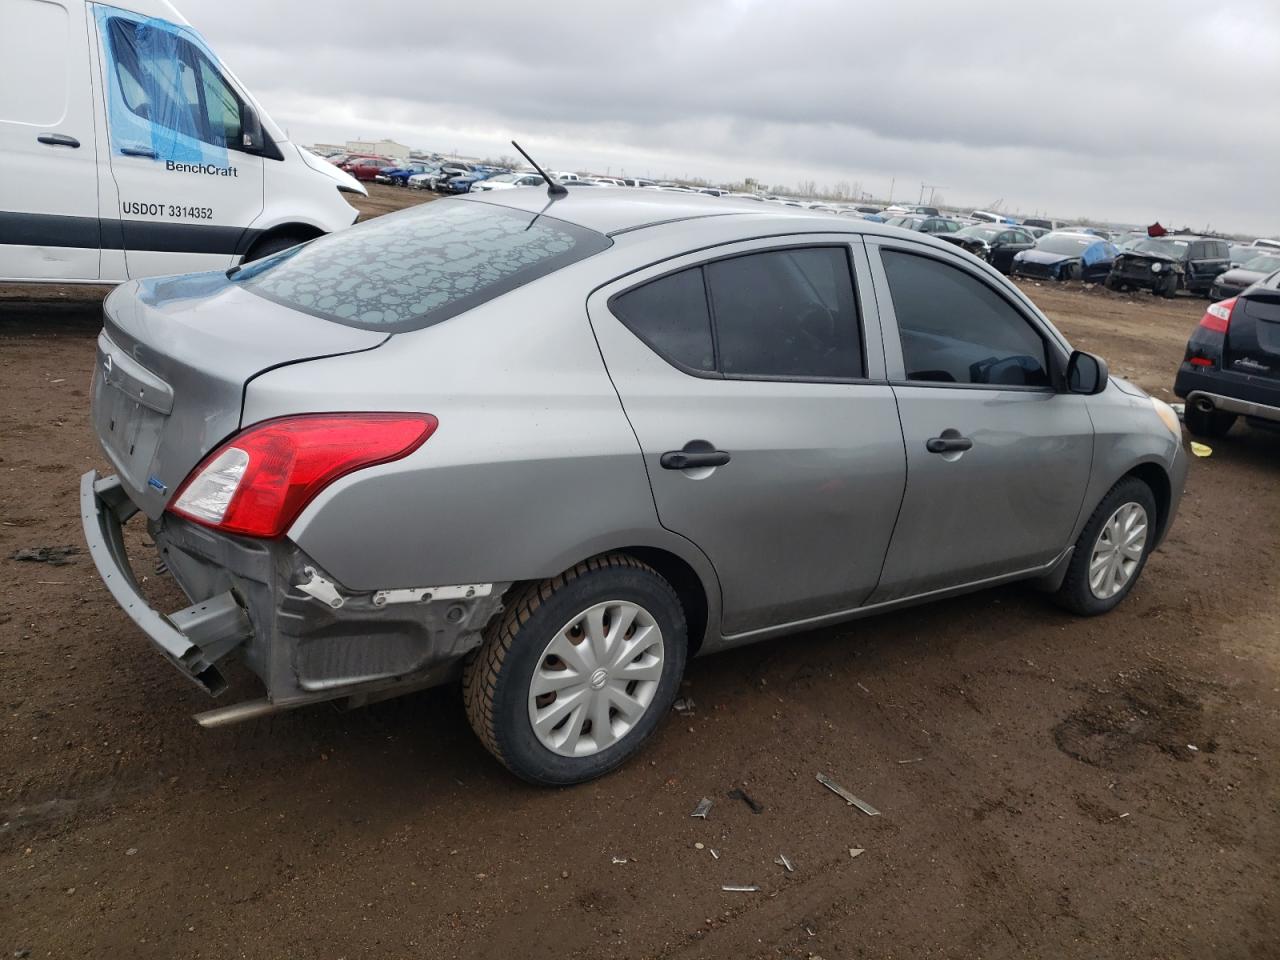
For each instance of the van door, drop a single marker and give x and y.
(177, 128)
(49, 187)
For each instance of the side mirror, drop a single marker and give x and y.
(1086, 374)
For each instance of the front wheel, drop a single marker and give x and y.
(579, 672)
(1111, 551)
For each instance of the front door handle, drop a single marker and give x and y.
(948, 444)
(688, 459)
(58, 140)
(139, 152)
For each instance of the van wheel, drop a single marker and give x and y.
(1210, 424)
(1111, 550)
(579, 672)
(268, 246)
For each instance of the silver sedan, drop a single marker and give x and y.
(554, 447)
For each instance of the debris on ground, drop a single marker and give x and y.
(740, 888)
(699, 846)
(619, 859)
(1201, 449)
(737, 793)
(782, 861)
(848, 797)
(683, 706)
(912, 760)
(714, 855)
(54, 556)
(702, 809)
(1180, 409)
(855, 852)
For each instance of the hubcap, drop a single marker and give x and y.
(596, 678)
(1118, 551)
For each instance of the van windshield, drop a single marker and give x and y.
(418, 267)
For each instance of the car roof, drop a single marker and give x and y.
(612, 210)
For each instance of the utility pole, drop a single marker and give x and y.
(931, 187)
(891, 183)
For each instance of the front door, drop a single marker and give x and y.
(48, 155)
(188, 189)
(997, 460)
(769, 435)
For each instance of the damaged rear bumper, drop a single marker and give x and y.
(270, 606)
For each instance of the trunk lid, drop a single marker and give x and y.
(173, 360)
(1253, 338)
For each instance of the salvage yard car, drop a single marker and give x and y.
(1165, 265)
(1066, 256)
(1238, 279)
(996, 243)
(554, 446)
(1231, 368)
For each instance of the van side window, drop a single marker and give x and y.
(165, 80)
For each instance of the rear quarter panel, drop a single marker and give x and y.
(533, 467)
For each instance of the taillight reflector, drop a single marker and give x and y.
(1218, 316)
(258, 482)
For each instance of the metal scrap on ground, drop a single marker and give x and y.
(740, 888)
(702, 809)
(848, 797)
(782, 861)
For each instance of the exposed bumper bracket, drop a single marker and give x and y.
(194, 638)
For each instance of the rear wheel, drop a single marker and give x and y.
(1111, 551)
(579, 672)
(1208, 423)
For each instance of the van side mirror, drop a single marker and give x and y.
(1086, 374)
(250, 129)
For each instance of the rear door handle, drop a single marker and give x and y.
(138, 152)
(688, 459)
(58, 140)
(948, 444)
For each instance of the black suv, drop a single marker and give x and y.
(1165, 265)
(1232, 363)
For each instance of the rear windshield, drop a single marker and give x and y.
(411, 269)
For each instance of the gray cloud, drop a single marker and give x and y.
(1141, 111)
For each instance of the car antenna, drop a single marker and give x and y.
(554, 188)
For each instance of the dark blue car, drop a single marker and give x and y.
(1066, 256)
(462, 184)
(399, 176)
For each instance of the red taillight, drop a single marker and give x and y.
(261, 479)
(1218, 316)
(1200, 362)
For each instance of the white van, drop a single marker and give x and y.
(128, 150)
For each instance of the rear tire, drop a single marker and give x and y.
(1209, 424)
(519, 652)
(1108, 559)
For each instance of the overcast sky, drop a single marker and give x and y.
(1130, 112)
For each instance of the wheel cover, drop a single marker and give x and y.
(1118, 550)
(596, 679)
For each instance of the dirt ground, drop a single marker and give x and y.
(1049, 786)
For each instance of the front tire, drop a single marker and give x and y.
(579, 672)
(1111, 551)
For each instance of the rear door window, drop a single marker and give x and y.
(778, 314)
(408, 270)
(787, 314)
(956, 329)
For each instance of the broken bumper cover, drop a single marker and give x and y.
(193, 638)
(306, 637)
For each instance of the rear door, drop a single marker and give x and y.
(997, 461)
(188, 190)
(769, 434)
(48, 156)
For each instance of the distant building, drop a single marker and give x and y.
(382, 148)
(327, 148)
